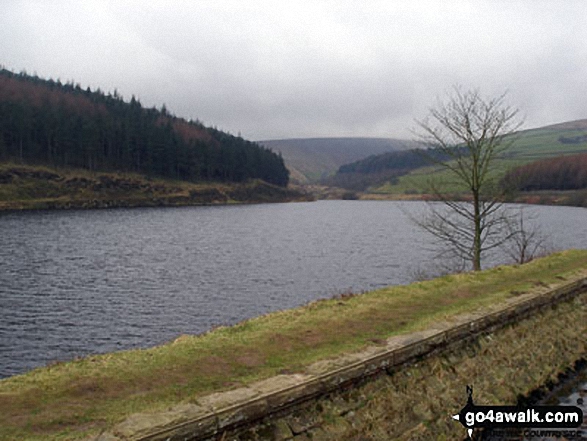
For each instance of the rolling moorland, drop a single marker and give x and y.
(311, 159)
(553, 152)
(63, 146)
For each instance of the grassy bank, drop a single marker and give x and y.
(71, 400)
(37, 187)
(571, 198)
(416, 402)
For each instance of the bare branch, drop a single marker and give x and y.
(471, 133)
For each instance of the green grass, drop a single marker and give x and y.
(73, 399)
(544, 143)
(530, 145)
(418, 181)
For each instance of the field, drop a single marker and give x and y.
(73, 399)
(530, 145)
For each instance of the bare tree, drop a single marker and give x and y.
(526, 242)
(467, 135)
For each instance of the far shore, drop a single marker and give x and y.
(27, 187)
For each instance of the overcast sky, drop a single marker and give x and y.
(284, 69)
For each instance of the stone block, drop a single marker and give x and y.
(301, 392)
(282, 431)
(221, 400)
(177, 421)
(322, 367)
(343, 375)
(282, 390)
(242, 413)
(379, 363)
(301, 424)
(235, 406)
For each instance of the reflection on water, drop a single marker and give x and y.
(79, 282)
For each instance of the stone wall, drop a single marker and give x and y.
(406, 388)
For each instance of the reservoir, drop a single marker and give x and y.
(78, 282)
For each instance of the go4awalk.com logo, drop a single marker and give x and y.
(503, 417)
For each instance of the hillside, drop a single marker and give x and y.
(385, 176)
(24, 187)
(312, 159)
(579, 124)
(568, 172)
(49, 123)
(379, 169)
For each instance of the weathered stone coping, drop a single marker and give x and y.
(224, 411)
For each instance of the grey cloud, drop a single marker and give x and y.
(305, 68)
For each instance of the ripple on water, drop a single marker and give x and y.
(79, 282)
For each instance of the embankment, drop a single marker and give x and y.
(407, 388)
(387, 364)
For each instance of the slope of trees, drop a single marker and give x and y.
(47, 122)
(378, 169)
(561, 173)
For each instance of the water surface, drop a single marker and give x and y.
(79, 282)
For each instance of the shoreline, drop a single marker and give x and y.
(106, 388)
(571, 198)
(568, 198)
(93, 204)
(27, 187)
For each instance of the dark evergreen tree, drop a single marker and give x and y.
(47, 122)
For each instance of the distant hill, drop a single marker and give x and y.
(312, 159)
(579, 124)
(405, 173)
(49, 123)
(379, 169)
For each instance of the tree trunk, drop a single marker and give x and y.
(477, 236)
